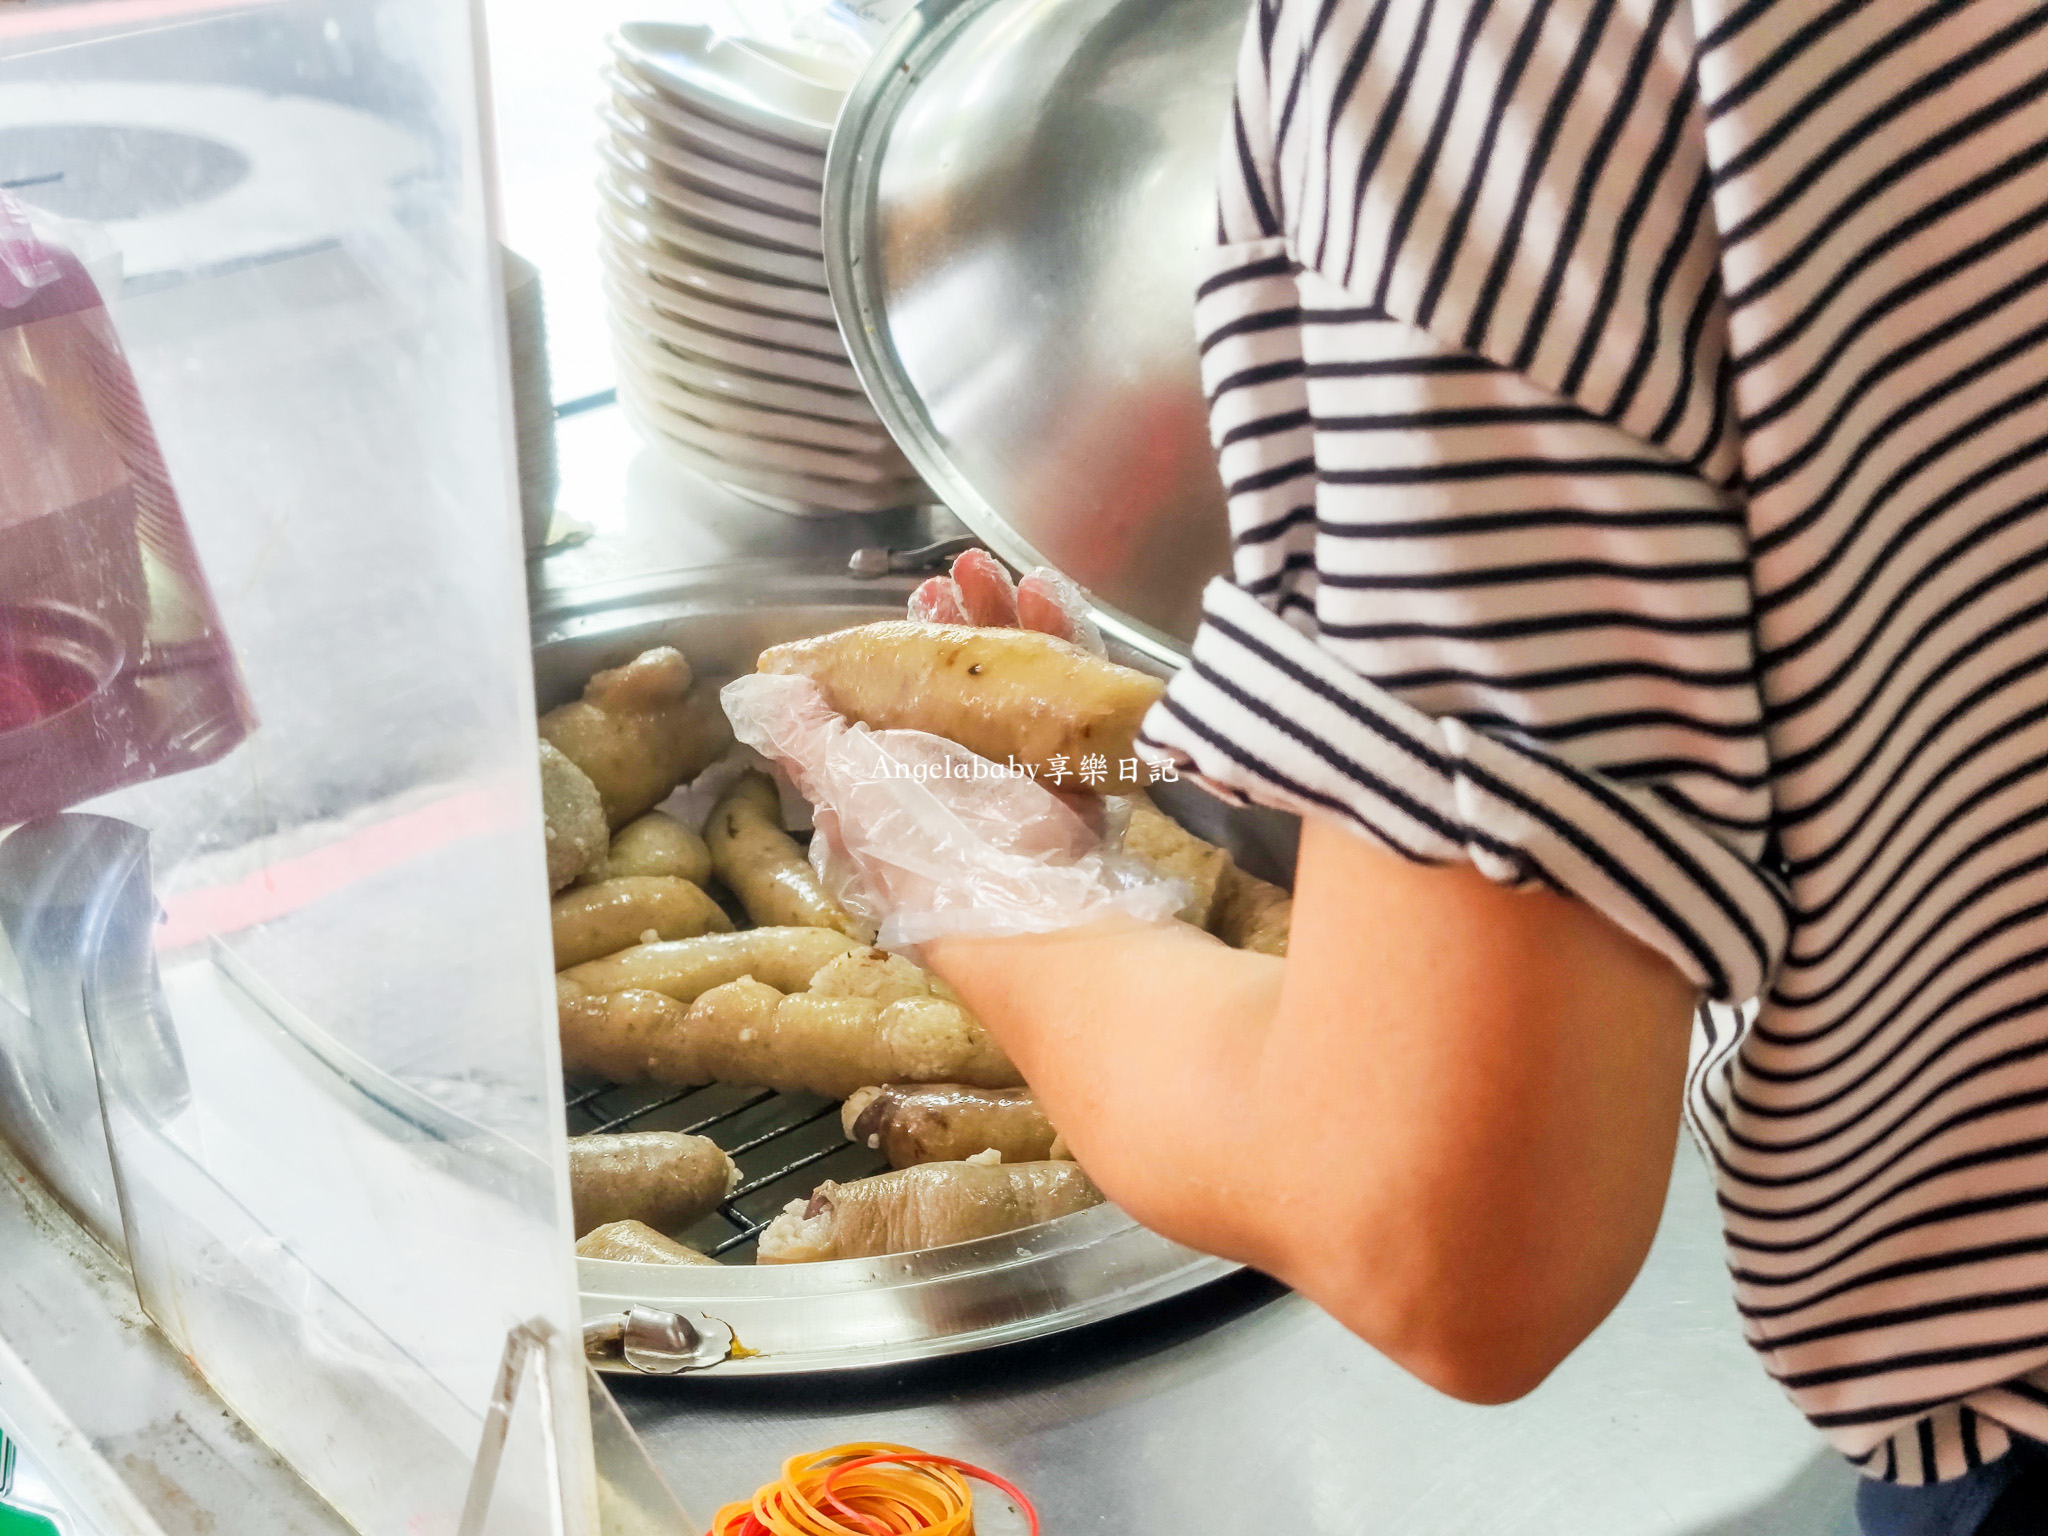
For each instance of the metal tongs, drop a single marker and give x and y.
(875, 561)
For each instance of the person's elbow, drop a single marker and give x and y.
(1482, 1319)
(1469, 1347)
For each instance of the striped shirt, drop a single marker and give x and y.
(1635, 421)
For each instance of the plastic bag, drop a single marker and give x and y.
(113, 665)
(922, 838)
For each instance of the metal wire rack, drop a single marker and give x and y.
(785, 1144)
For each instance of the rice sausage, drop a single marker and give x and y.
(663, 1178)
(1004, 693)
(928, 1206)
(634, 1242)
(592, 921)
(864, 1017)
(637, 733)
(912, 1123)
(785, 958)
(1251, 913)
(658, 844)
(762, 865)
(1173, 850)
(572, 814)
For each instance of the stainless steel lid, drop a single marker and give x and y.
(1018, 199)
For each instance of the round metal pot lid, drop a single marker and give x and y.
(1019, 198)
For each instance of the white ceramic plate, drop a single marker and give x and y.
(753, 421)
(765, 453)
(773, 362)
(708, 376)
(747, 83)
(655, 114)
(639, 251)
(818, 337)
(687, 237)
(768, 193)
(791, 493)
(742, 221)
(649, 83)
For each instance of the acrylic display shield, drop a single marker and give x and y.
(312, 970)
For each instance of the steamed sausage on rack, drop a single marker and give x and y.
(912, 1123)
(662, 1178)
(764, 866)
(639, 731)
(830, 1044)
(1169, 847)
(785, 958)
(1242, 910)
(573, 817)
(827, 1028)
(634, 1242)
(658, 844)
(1251, 913)
(928, 1206)
(592, 921)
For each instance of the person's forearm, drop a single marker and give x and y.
(1448, 1117)
(1141, 1042)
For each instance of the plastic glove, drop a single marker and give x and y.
(922, 838)
(978, 591)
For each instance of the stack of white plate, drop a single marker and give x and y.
(729, 358)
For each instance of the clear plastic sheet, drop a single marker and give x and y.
(311, 954)
(922, 838)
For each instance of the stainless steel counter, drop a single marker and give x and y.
(1241, 1408)
(1244, 1409)
(124, 1431)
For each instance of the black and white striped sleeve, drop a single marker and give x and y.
(1463, 342)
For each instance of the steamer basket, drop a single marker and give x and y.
(859, 1313)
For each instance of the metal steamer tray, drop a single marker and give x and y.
(856, 1313)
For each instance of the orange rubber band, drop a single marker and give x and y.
(868, 1488)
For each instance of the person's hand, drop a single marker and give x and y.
(919, 836)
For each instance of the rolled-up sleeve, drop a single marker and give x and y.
(1490, 597)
